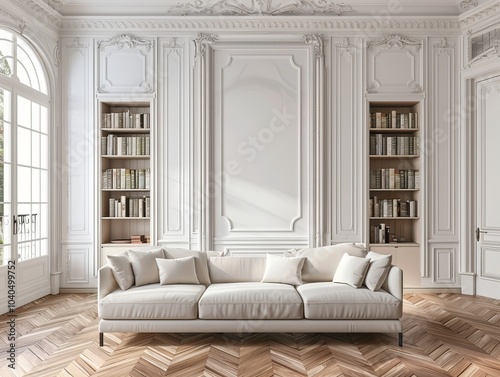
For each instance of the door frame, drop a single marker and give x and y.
(466, 113)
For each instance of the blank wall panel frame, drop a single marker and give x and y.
(444, 264)
(260, 174)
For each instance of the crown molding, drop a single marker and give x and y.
(259, 8)
(479, 14)
(358, 25)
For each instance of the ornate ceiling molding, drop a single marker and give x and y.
(20, 23)
(44, 14)
(467, 4)
(480, 15)
(368, 26)
(391, 41)
(125, 41)
(259, 8)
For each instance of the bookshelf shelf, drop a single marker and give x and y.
(394, 190)
(398, 218)
(395, 244)
(393, 130)
(125, 128)
(392, 156)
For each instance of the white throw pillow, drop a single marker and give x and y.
(200, 261)
(122, 270)
(351, 270)
(380, 265)
(177, 271)
(283, 270)
(144, 266)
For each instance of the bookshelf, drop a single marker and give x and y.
(125, 174)
(394, 181)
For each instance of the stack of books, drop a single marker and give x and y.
(138, 239)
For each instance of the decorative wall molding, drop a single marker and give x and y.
(173, 44)
(391, 41)
(345, 46)
(492, 52)
(467, 4)
(416, 88)
(422, 26)
(444, 46)
(480, 15)
(316, 40)
(41, 13)
(19, 22)
(371, 88)
(259, 8)
(77, 44)
(125, 41)
(201, 42)
(57, 54)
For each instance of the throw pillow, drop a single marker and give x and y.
(122, 270)
(200, 261)
(351, 270)
(177, 271)
(144, 266)
(378, 270)
(283, 270)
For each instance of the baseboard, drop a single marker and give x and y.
(431, 290)
(77, 290)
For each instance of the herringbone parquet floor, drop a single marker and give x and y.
(444, 335)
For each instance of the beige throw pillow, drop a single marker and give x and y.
(200, 261)
(378, 270)
(177, 271)
(283, 270)
(122, 270)
(351, 270)
(144, 266)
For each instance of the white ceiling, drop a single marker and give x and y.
(375, 8)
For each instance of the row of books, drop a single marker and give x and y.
(129, 207)
(381, 145)
(380, 233)
(392, 207)
(397, 179)
(393, 120)
(125, 120)
(132, 145)
(141, 238)
(127, 179)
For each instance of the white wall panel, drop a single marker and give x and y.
(77, 271)
(444, 264)
(345, 143)
(75, 170)
(395, 65)
(441, 144)
(126, 65)
(260, 174)
(173, 141)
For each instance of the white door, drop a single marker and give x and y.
(24, 175)
(488, 187)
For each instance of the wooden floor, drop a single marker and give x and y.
(444, 335)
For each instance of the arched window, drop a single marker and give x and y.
(24, 151)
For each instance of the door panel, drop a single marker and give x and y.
(488, 184)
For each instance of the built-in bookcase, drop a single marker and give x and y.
(395, 182)
(125, 173)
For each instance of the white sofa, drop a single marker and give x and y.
(231, 296)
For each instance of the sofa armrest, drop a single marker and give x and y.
(106, 282)
(394, 282)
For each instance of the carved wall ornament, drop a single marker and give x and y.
(391, 41)
(77, 44)
(125, 41)
(444, 46)
(259, 8)
(492, 52)
(467, 4)
(416, 88)
(57, 53)
(316, 40)
(147, 88)
(173, 44)
(371, 88)
(103, 88)
(345, 46)
(201, 41)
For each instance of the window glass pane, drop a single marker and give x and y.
(23, 146)
(23, 59)
(43, 221)
(44, 151)
(23, 112)
(34, 221)
(35, 185)
(44, 247)
(23, 184)
(44, 186)
(4, 254)
(22, 74)
(5, 224)
(6, 183)
(5, 104)
(6, 56)
(44, 120)
(27, 57)
(35, 149)
(35, 116)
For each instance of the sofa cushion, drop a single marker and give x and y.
(177, 271)
(380, 265)
(340, 301)
(351, 270)
(250, 301)
(321, 262)
(283, 270)
(144, 266)
(122, 270)
(236, 269)
(152, 301)
(200, 261)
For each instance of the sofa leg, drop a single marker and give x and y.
(400, 339)
(101, 339)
